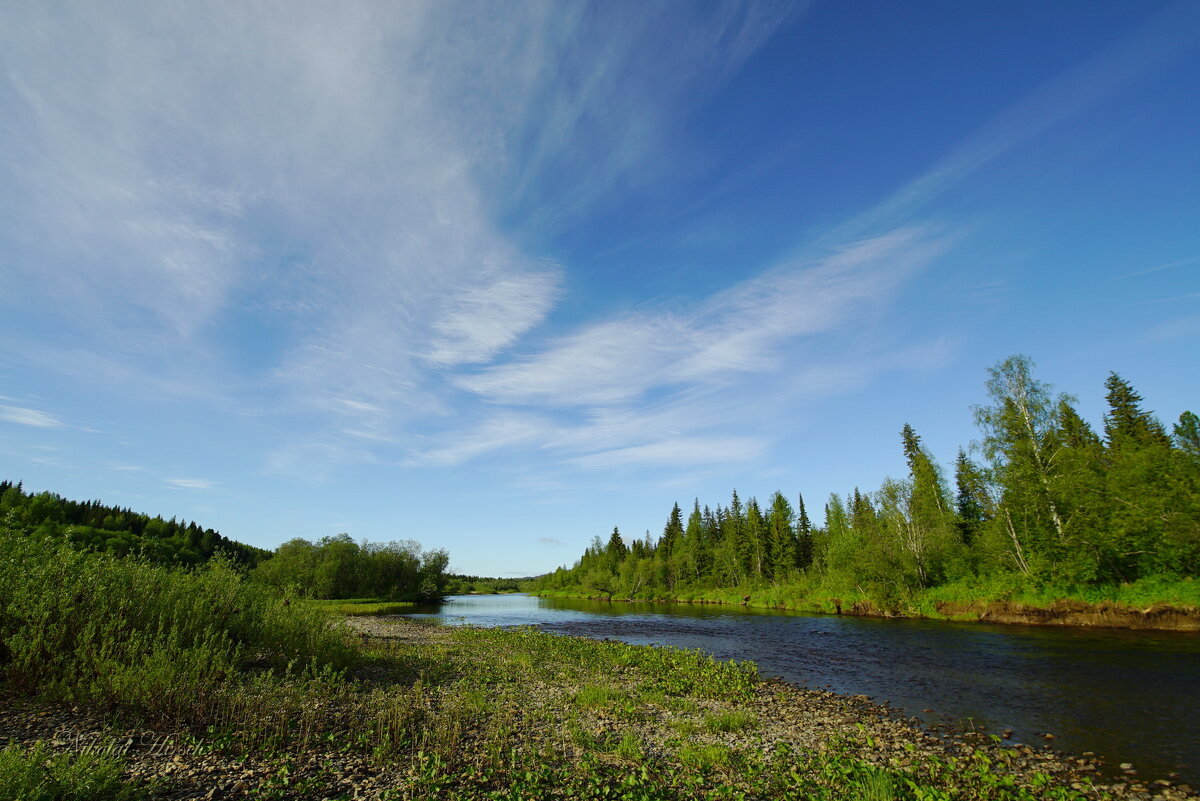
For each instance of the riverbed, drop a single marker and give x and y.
(1128, 696)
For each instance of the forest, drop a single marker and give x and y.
(1042, 500)
(333, 567)
(94, 526)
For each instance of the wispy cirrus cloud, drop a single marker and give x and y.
(744, 329)
(484, 320)
(190, 483)
(679, 451)
(29, 417)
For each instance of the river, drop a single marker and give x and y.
(1128, 696)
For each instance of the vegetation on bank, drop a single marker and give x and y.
(364, 607)
(333, 567)
(1053, 510)
(242, 679)
(340, 568)
(458, 584)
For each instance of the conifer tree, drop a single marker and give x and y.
(782, 537)
(1126, 424)
(672, 531)
(972, 503)
(758, 544)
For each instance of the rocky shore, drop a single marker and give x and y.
(179, 764)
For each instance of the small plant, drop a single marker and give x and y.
(733, 720)
(706, 757)
(629, 748)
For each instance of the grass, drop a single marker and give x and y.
(731, 720)
(352, 607)
(253, 677)
(37, 774)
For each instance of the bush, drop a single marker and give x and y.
(94, 629)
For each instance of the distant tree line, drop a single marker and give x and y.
(94, 526)
(1051, 501)
(339, 567)
(459, 584)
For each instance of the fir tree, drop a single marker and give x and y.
(805, 546)
(782, 536)
(1126, 424)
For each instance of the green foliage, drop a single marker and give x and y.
(338, 567)
(1052, 505)
(93, 526)
(105, 632)
(37, 774)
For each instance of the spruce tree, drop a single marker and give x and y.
(805, 545)
(1126, 424)
(783, 538)
(972, 503)
(672, 532)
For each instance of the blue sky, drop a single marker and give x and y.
(500, 276)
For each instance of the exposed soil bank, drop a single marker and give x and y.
(1077, 613)
(1161, 617)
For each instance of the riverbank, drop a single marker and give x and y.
(444, 712)
(1057, 612)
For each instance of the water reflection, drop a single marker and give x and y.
(1129, 696)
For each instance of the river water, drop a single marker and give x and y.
(1128, 696)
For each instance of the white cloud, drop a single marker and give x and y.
(29, 417)
(326, 185)
(190, 483)
(498, 432)
(745, 329)
(486, 319)
(681, 451)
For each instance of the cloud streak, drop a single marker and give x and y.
(737, 331)
(29, 417)
(190, 483)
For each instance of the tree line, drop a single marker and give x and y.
(94, 526)
(1043, 500)
(333, 567)
(339, 567)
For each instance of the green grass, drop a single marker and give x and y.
(37, 774)
(363, 606)
(732, 720)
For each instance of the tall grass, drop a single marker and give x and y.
(120, 633)
(34, 774)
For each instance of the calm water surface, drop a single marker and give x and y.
(1128, 696)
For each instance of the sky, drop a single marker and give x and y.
(498, 277)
